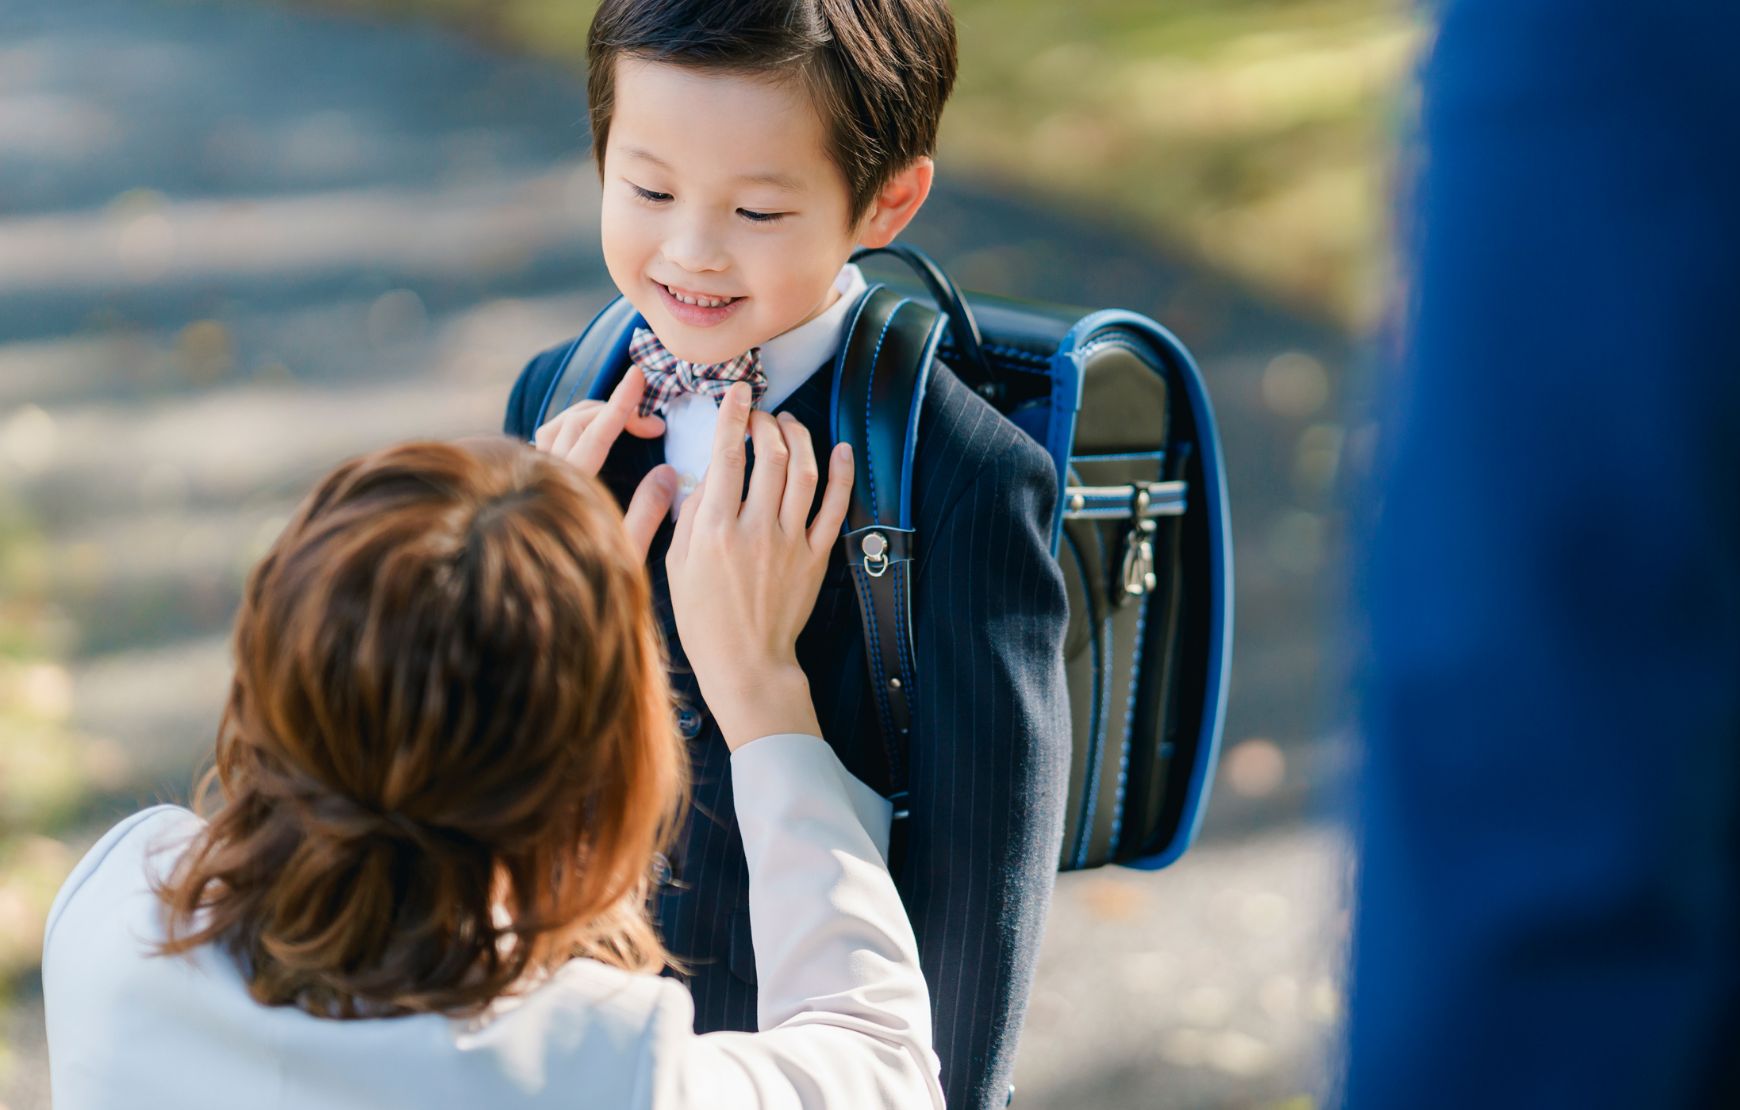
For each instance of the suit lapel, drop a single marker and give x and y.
(809, 402)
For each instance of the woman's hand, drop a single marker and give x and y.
(584, 433)
(744, 571)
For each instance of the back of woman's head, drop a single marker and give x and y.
(447, 755)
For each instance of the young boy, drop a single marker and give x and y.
(746, 147)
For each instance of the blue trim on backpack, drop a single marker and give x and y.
(1122, 456)
(1213, 501)
(839, 367)
(1066, 389)
(556, 378)
(869, 396)
(920, 386)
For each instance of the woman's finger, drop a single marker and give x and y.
(826, 528)
(723, 496)
(800, 475)
(649, 506)
(767, 480)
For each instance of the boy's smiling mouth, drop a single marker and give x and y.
(696, 309)
(702, 299)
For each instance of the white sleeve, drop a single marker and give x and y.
(844, 1011)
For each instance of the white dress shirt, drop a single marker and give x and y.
(787, 359)
(844, 1011)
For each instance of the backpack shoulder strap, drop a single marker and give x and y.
(880, 378)
(587, 365)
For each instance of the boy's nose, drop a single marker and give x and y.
(696, 251)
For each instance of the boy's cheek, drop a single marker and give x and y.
(621, 256)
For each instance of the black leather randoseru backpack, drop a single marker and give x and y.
(1141, 531)
(1141, 534)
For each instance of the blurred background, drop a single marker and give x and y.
(243, 239)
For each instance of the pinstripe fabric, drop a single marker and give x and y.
(990, 743)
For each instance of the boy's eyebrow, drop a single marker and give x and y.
(777, 180)
(766, 177)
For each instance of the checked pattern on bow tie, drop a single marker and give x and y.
(669, 377)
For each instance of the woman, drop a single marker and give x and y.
(447, 763)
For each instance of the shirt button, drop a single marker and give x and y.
(689, 721)
(661, 869)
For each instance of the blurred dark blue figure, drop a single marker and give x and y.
(1550, 824)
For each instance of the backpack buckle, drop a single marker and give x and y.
(1139, 576)
(875, 548)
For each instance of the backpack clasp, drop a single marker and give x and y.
(875, 547)
(1139, 576)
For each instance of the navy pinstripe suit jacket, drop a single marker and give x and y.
(990, 747)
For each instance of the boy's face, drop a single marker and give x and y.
(718, 189)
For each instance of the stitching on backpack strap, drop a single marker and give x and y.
(880, 676)
(902, 641)
(1129, 720)
(869, 391)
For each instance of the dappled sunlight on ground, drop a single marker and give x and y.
(144, 238)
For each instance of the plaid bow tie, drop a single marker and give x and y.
(669, 377)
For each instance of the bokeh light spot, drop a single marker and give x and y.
(1254, 768)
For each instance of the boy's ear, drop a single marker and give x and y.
(896, 204)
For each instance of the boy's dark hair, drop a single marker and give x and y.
(878, 71)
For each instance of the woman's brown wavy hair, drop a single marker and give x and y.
(448, 756)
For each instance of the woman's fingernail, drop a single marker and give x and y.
(844, 450)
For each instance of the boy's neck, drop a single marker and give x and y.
(827, 302)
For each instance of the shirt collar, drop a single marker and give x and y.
(788, 359)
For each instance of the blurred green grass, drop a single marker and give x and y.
(45, 769)
(1251, 135)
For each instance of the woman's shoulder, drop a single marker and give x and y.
(593, 1027)
(122, 851)
(626, 999)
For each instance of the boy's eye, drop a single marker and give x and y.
(760, 217)
(648, 194)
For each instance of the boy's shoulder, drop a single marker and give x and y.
(964, 442)
(526, 400)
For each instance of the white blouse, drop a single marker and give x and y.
(844, 1012)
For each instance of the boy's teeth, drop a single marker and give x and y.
(704, 302)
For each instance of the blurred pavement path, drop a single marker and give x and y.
(239, 242)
